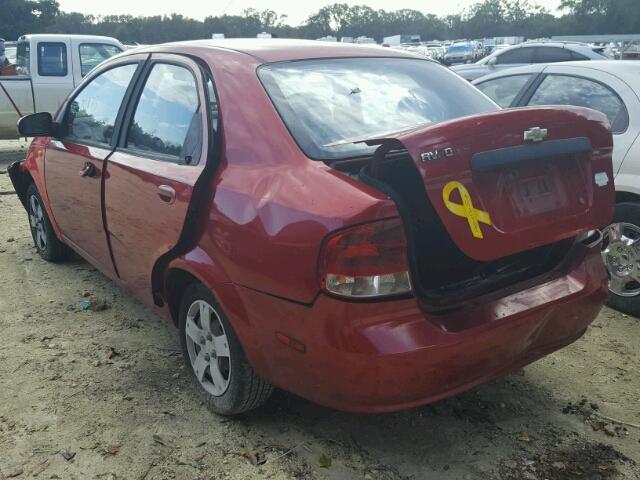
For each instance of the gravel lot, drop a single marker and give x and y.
(103, 395)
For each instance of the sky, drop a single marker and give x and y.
(296, 10)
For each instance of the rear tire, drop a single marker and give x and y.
(626, 212)
(49, 247)
(214, 357)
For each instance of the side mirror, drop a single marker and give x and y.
(492, 62)
(37, 125)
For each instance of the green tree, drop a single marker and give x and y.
(24, 16)
(486, 18)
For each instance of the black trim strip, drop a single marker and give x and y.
(512, 156)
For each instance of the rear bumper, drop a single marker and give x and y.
(385, 356)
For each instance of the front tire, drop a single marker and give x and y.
(621, 254)
(214, 357)
(44, 238)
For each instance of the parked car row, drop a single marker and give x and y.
(326, 220)
(434, 51)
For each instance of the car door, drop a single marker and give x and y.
(587, 87)
(75, 163)
(52, 74)
(152, 174)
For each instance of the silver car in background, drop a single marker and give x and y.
(528, 53)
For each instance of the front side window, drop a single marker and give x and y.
(167, 121)
(52, 59)
(516, 56)
(91, 116)
(582, 92)
(504, 90)
(328, 104)
(92, 54)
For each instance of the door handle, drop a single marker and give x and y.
(89, 170)
(167, 194)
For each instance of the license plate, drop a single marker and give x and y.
(537, 193)
(537, 187)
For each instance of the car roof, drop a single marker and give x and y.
(627, 70)
(59, 36)
(280, 49)
(550, 43)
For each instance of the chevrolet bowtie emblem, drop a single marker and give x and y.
(535, 134)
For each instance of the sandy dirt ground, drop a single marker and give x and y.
(104, 395)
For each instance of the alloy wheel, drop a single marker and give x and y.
(208, 348)
(36, 221)
(621, 255)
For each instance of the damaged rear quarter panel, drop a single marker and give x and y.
(272, 206)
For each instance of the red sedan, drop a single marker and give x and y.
(350, 223)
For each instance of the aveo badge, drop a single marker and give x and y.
(465, 209)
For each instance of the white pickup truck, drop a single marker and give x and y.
(48, 68)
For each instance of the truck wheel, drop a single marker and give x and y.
(49, 247)
(215, 360)
(621, 255)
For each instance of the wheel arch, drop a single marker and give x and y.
(198, 267)
(21, 179)
(627, 197)
(195, 266)
(177, 281)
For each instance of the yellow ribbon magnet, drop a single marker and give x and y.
(466, 210)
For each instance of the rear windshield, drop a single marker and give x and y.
(325, 102)
(23, 58)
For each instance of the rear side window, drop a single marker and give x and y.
(504, 90)
(91, 116)
(92, 54)
(52, 59)
(582, 92)
(517, 55)
(167, 121)
(553, 54)
(579, 56)
(23, 58)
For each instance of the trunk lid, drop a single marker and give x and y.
(513, 180)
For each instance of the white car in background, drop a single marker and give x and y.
(614, 89)
(48, 68)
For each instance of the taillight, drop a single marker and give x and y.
(368, 260)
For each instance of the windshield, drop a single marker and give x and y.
(459, 48)
(324, 102)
